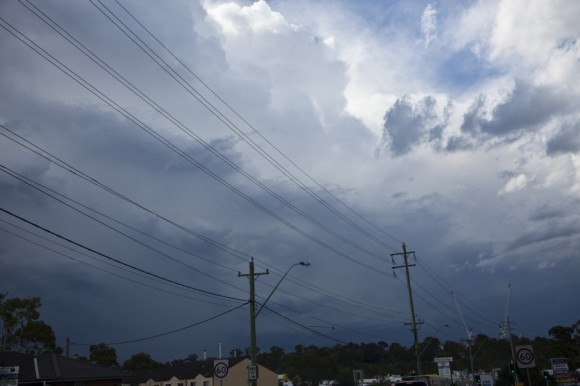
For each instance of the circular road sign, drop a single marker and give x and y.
(525, 356)
(220, 369)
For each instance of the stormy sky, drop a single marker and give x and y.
(149, 151)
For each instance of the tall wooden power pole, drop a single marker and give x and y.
(414, 323)
(253, 372)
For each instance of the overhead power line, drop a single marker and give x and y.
(168, 332)
(117, 260)
(264, 154)
(94, 266)
(30, 183)
(16, 33)
(256, 130)
(80, 174)
(166, 67)
(303, 326)
(448, 288)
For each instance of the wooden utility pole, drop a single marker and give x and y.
(253, 372)
(406, 265)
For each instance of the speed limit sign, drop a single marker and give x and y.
(220, 368)
(525, 357)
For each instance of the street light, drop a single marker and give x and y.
(253, 315)
(302, 263)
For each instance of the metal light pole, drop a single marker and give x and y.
(302, 263)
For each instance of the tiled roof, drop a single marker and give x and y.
(50, 367)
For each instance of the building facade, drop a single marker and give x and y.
(201, 374)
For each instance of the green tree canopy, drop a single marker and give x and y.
(103, 355)
(141, 361)
(22, 330)
(566, 343)
(191, 358)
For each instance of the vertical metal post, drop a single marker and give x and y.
(529, 379)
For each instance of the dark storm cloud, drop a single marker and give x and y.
(106, 135)
(300, 108)
(409, 123)
(566, 140)
(526, 107)
(550, 232)
(12, 189)
(547, 211)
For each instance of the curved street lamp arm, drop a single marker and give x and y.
(303, 263)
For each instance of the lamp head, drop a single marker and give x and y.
(304, 263)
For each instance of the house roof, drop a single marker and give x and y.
(182, 371)
(50, 367)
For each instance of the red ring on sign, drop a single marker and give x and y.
(525, 356)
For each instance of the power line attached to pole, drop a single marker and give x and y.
(414, 322)
(253, 373)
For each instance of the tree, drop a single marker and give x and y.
(566, 343)
(37, 337)
(141, 361)
(273, 359)
(103, 355)
(22, 329)
(191, 358)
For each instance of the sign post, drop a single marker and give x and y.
(221, 369)
(526, 359)
(444, 366)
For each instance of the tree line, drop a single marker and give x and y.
(23, 331)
